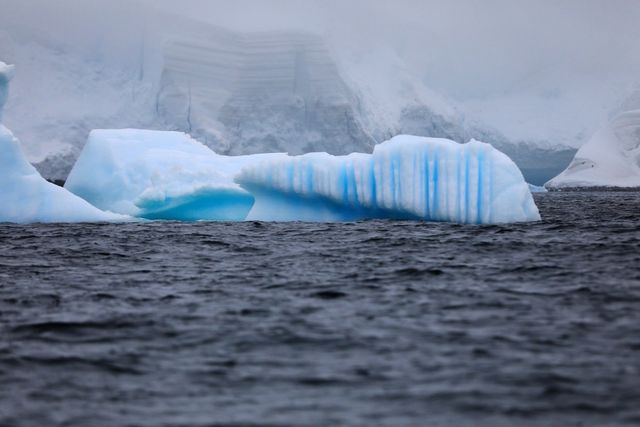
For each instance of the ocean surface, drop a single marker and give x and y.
(370, 323)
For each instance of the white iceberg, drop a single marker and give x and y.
(407, 177)
(537, 189)
(27, 197)
(611, 158)
(159, 175)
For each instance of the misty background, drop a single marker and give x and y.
(570, 60)
(537, 74)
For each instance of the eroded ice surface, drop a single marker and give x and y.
(406, 177)
(159, 175)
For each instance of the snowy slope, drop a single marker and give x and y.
(611, 158)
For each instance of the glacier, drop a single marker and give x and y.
(159, 175)
(407, 177)
(26, 197)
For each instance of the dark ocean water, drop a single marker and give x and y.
(370, 323)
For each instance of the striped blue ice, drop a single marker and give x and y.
(407, 177)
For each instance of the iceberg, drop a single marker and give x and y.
(537, 188)
(611, 158)
(25, 196)
(169, 175)
(159, 175)
(407, 177)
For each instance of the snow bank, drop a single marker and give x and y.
(158, 175)
(24, 195)
(406, 177)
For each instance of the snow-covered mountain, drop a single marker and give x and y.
(611, 158)
(237, 92)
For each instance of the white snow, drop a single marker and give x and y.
(406, 177)
(27, 197)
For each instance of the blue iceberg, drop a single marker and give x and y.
(159, 175)
(407, 177)
(168, 175)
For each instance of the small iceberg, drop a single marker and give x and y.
(537, 189)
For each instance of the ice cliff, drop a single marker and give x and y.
(265, 92)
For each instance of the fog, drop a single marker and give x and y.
(534, 69)
(469, 48)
